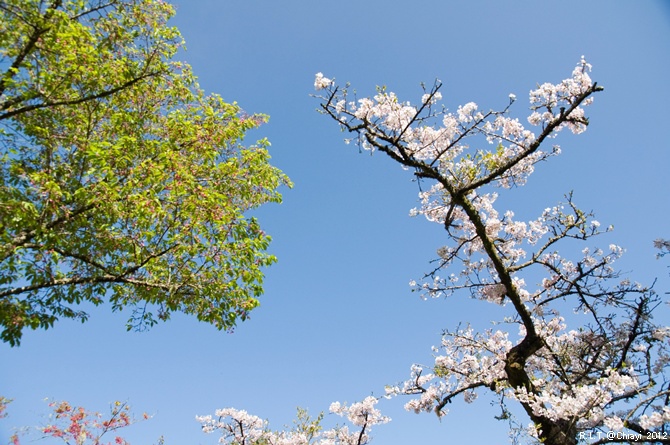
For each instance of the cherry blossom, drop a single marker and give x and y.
(321, 82)
(237, 427)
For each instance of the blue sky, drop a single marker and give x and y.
(338, 320)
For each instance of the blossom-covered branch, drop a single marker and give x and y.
(238, 427)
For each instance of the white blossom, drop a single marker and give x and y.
(321, 82)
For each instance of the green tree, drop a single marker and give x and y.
(120, 180)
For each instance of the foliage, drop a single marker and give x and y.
(120, 180)
(609, 370)
(4, 401)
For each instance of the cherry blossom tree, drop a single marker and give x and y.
(579, 352)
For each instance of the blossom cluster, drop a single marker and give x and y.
(549, 100)
(657, 419)
(465, 361)
(584, 402)
(238, 427)
(242, 427)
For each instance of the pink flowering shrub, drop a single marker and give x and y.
(78, 426)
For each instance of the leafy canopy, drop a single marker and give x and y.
(120, 180)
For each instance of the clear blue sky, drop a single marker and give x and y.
(338, 320)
